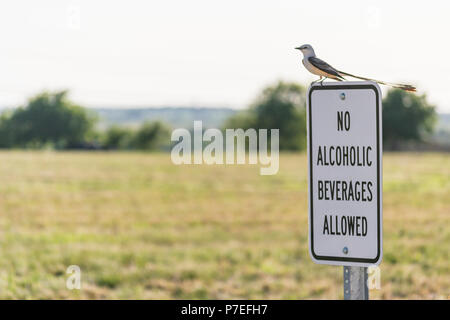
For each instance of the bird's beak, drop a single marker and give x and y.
(298, 48)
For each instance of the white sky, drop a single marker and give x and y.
(213, 53)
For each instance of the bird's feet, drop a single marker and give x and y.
(320, 80)
(315, 81)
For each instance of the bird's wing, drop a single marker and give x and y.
(325, 67)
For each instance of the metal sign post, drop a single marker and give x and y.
(355, 283)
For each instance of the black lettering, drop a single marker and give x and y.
(319, 157)
(340, 121)
(350, 191)
(357, 226)
(347, 120)
(331, 151)
(363, 189)
(351, 226)
(364, 226)
(369, 163)
(338, 156)
(325, 156)
(332, 189)
(369, 186)
(338, 190)
(352, 156)
(337, 226)
(359, 163)
(326, 182)
(325, 226)
(331, 226)
(344, 225)
(320, 189)
(357, 192)
(344, 190)
(345, 156)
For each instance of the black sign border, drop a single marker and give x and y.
(344, 259)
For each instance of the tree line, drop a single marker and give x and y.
(407, 117)
(51, 120)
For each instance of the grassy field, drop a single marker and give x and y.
(140, 227)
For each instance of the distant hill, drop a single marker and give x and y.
(443, 121)
(177, 117)
(442, 132)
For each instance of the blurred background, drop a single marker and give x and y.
(91, 91)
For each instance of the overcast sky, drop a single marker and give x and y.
(213, 53)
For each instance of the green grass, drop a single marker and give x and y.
(140, 227)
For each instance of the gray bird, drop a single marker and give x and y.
(324, 70)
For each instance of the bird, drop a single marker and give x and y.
(324, 70)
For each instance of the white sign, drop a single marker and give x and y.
(345, 173)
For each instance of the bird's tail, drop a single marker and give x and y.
(405, 87)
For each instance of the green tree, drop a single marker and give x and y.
(117, 137)
(48, 118)
(279, 106)
(406, 117)
(6, 130)
(151, 136)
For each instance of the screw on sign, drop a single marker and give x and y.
(345, 179)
